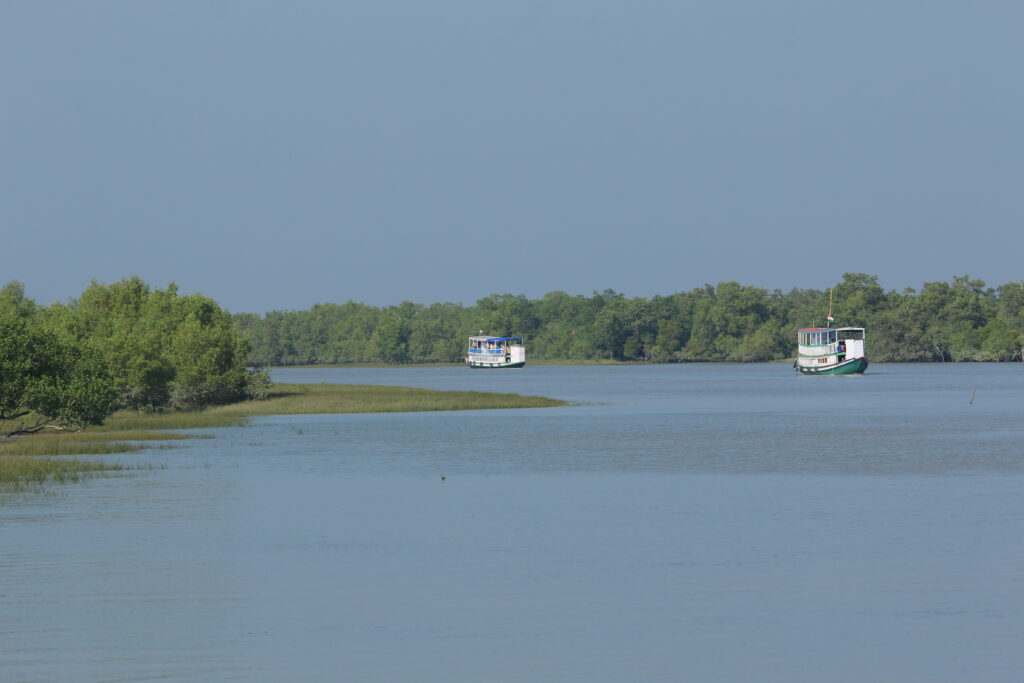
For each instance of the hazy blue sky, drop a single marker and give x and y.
(277, 154)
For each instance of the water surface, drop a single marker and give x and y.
(691, 522)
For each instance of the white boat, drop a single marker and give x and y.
(826, 351)
(496, 352)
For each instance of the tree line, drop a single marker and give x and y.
(127, 345)
(123, 345)
(959, 320)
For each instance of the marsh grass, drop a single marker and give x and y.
(135, 422)
(308, 399)
(21, 472)
(30, 462)
(81, 443)
(127, 431)
(322, 399)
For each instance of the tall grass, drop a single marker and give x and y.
(293, 399)
(315, 399)
(32, 461)
(81, 443)
(19, 472)
(125, 431)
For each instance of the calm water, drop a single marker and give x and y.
(698, 522)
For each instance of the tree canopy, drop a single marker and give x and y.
(128, 345)
(122, 345)
(47, 382)
(959, 320)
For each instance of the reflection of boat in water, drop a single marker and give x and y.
(496, 352)
(825, 351)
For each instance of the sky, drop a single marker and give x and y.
(273, 155)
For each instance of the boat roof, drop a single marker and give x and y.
(485, 338)
(826, 329)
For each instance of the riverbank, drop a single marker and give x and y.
(456, 364)
(41, 457)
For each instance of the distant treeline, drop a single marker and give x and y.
(962, 320)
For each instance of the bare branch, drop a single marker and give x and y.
(40, 425)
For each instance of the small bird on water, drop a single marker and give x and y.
(442, 477)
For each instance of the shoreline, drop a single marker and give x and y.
(39, 459)
(612, 362)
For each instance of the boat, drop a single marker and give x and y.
(831, 351)
(496, 352)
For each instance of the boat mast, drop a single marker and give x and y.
(829, 319)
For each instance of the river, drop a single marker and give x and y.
(679, 522)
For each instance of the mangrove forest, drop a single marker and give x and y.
(959, 320)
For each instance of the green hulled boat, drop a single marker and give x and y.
(827, 351)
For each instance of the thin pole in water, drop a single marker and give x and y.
(972, 397)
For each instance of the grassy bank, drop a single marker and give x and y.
(24, 459)
(22, 472)
(323, 399)
(29, 462)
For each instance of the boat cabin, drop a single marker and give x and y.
(493, 344)
(826, 346)
(485, 351)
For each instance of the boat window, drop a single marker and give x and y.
(831, 336)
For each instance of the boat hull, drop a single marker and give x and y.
(480, 365)
(854, 366)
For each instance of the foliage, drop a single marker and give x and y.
(946, 321)
(118, 345)
(46, 382)
(258, 385)
(160, 348)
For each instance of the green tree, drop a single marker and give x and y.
(723, 316)
(391, 338)
(610, 329)
(505, 315)
(159, 348)
(14, 301)
(856, 298)
(46, 382)
(207, 354)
